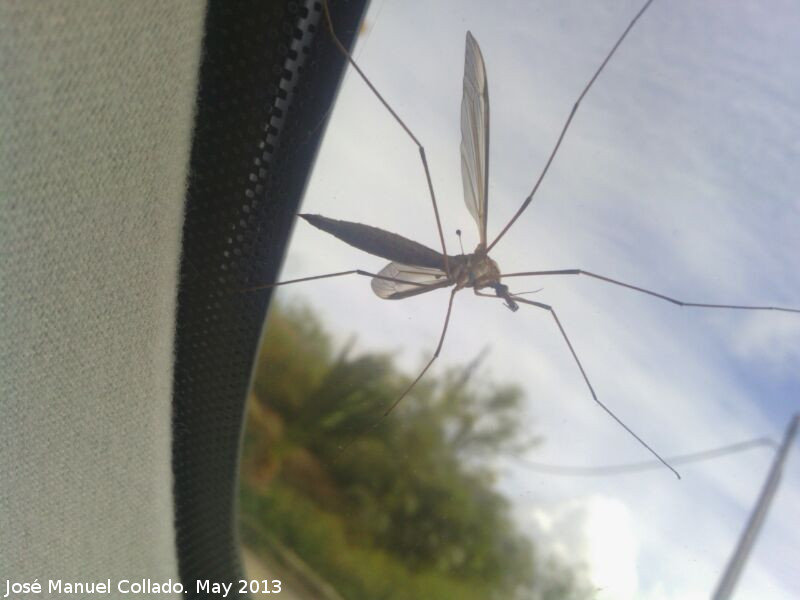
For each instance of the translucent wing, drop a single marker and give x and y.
(411, 281)
(475, 135)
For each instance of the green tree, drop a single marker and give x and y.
(409, 507)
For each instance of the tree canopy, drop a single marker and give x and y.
(395, 508)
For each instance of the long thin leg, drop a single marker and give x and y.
(338, 274)
(588, 383)
(566, 126)
(411, 385)
(433, 358)
(649, 292)
(397, 118)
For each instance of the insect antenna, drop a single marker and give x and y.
(528, 292)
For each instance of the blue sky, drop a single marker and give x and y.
(678, 174)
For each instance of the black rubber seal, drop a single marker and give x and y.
(269, 74)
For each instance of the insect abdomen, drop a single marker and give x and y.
(379, 242)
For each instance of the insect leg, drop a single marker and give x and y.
(588, 383)
(397, 118)
(433, 358)
(436, 352)
(636, 288)
(329, 275)
(554, 151)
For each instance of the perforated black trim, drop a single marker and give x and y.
(268, 78)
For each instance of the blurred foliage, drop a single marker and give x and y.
(395, 508)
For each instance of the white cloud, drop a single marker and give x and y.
(611, 548)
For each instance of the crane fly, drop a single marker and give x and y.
(415, 269)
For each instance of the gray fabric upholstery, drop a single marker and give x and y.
(96, 106)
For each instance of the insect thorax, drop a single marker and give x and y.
(477, 270)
